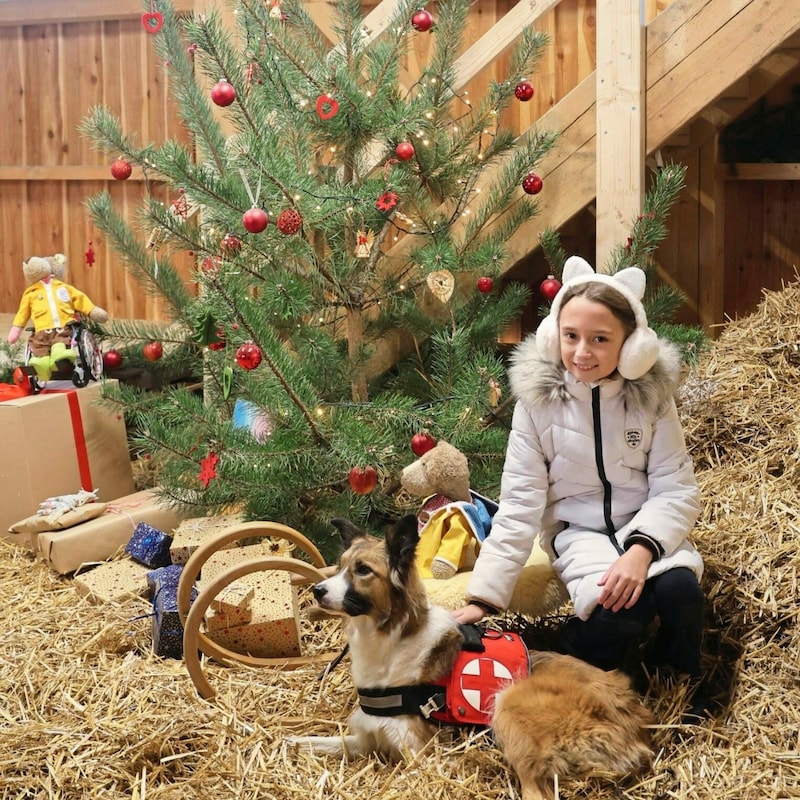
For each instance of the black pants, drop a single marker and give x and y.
(607, 637)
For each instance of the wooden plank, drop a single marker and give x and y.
(66, 172)
(25, 12)
(12, 110)
(501, 35)
(681, 85)
(620, 123)
(760, 172)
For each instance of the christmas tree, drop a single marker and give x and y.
(348, 224)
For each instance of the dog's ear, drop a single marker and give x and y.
(401, 545)
(347, 530)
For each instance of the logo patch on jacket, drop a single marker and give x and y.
(633, 436)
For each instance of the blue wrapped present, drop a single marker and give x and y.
(149, 546)
(168, 576)
(167, 626)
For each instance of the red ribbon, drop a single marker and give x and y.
(80, 440)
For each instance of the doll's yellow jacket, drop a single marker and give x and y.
(51, 304)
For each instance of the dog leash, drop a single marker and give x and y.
(331, 665)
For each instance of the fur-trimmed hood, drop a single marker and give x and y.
(537, 382)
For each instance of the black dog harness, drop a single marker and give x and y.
(488, 661)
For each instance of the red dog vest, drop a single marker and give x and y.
(465, 696)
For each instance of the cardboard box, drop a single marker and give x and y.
(58, 443)
(231, 607)
(100, 538)
(191, 533)
(113, 582)
(273, 630)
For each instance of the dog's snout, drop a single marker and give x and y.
(319, 591)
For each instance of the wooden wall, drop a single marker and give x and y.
(61, 57)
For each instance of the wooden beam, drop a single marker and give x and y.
(694, 58)
(41, 12)
(75, 172)
(620, 123)
(759, 172)
(502, 34)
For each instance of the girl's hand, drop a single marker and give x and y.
(624, 580)
(468, 614)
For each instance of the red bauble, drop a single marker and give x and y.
(362, 480)
(485, 284)
(421, 443)
(532, 183)
(210, 265)
(152, 351)
(524, 91)
(231, 244)
(223, 93)
(422, 20)
(550, 287)
(112, 359)
(121, 169)
(248, 356)
(404, 151)
(289, 221)
(255, 220)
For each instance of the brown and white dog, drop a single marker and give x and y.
(566, 719)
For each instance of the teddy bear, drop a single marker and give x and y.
(51, 304)
(453, 520)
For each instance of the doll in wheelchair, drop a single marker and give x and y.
(61, 346)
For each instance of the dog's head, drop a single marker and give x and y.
(377, 578)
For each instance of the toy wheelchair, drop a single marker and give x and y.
(88, 364)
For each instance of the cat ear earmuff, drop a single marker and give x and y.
(641, 348)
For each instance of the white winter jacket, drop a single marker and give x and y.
(590, 468)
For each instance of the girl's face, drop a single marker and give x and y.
(591, 339)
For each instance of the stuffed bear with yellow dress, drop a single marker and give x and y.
(453, 520)
(51, 304)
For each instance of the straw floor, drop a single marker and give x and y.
(87, 712)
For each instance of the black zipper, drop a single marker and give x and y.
(601, 470)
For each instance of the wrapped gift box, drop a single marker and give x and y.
(191, 533)
(232, 606)
(168, 576)
(101, 538)
(113, 581)
(58, 443)
(167, 625)
(149, 546)
(273, 630)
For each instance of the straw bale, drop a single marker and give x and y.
(89, 711)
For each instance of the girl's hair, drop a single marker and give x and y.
(609, 297)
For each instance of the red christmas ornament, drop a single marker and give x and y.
(387, 201)
(485, 284)
(121, 169)
(422, 20)
(210, 265)
(289, 221)
(153, 351)
(327, 107)
(362, 480)
(223, 93)
(153, 21)
(255, 220)
(524, 91)
(404, 151)
(550, 287)
(208, 468)
(421, 443)
(248, 356)
(112, 359)
(231, 244)
(532, 183)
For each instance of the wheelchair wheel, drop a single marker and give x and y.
(90, 358)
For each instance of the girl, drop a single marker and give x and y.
(596, 465)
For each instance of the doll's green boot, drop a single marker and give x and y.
(60, 353)
(43, 367)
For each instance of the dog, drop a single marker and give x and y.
(566, 718)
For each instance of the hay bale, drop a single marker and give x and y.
(89, 711)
